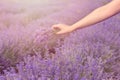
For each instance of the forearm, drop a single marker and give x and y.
(97, 15)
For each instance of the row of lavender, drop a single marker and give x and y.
(88, 57)
(88, 54)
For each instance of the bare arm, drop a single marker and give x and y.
(99, 15)
(94, 17)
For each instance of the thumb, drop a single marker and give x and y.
(60, 32)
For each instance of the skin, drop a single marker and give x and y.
(104, 12)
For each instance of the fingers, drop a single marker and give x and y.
(58, 28)
(54, 27)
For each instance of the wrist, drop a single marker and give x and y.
(74, 27)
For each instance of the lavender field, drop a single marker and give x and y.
(30, 50)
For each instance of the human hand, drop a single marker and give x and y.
(62, 28)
